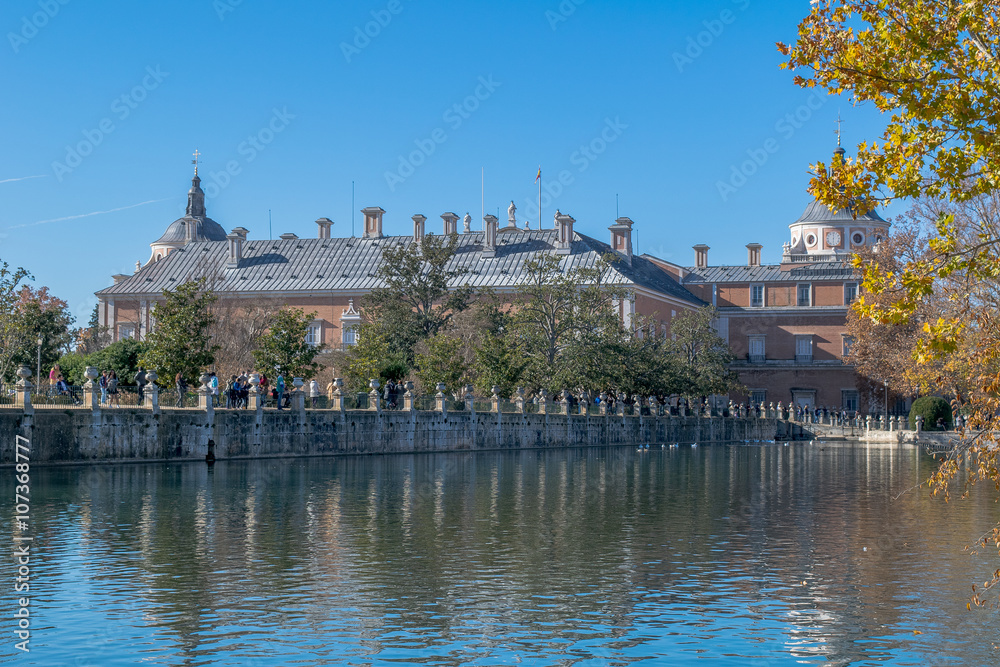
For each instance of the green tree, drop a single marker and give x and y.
(560, 318)
(180, 342)
(284, 347)
(703, 357)
(14, 334)
(439, 359)
(375, 356)
(123, 357)
(415, 300)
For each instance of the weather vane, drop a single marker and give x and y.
(198, 155)
(838, 121)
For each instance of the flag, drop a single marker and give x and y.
(539, 174)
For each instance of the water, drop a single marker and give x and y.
(743, 555)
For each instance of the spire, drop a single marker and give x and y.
(196, 196)
(196, 199)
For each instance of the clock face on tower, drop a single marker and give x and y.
(833, 238)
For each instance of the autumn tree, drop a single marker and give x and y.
(181, 342)
(932, 67)
(284, 348)
(238, 327)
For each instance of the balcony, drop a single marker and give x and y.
(757, 358)
(803, 358)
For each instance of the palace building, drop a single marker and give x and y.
(786, 322)
(329, 275)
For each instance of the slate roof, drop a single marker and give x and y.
(818, 212)
(770, 273)
(350, 264)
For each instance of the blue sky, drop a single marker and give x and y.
(654, 102)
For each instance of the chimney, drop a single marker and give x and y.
(450, 223)
(418, 227)
(564, 233)
(373, 222)
(701, 255)
(235, 240)
(753, 254)
(621, 238)
(118, 277)
(288, 236)
(242, 231)
(324, 225)
(490, 240)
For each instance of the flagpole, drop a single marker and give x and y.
(539, 199)
(482, 208)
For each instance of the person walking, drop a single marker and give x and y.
(140, 382)
(54, 374)
(113, 389)
(279, 386)
(214, 383)
(181, 389)
(103, 382)
(313, 393)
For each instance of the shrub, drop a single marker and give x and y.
(931, 408)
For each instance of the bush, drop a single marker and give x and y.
(931, 408)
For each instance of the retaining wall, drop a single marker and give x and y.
(75, 435)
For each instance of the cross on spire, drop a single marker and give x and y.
(839, 122)
(198, 155)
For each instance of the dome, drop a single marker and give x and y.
(206, 230)
(819, 212)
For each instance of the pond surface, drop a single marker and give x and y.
(741, 554)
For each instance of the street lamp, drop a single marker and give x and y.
(38, 367)
(886, 384)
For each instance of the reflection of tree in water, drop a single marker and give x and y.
(530, 552)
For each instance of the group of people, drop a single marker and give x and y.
(62, 388)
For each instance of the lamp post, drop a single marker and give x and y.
(38, 366)
(885, 383)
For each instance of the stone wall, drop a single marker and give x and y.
(76, 435)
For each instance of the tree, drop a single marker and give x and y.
(122, 357)
(93, 337)
(239, 326)
(703, 356)
(440, 360)
(558, 317)
(415, 300)
(284, 348)
(13, 332)
(181, 342)
(375, 356)
(46, 318)
(932, 65)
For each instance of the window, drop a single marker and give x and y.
(126, 331)
(857, 238)
(314, 335)
(350, 336)
(848, 342)
(756, 296)
(805, 294)
(804, 349)
(849, 400)
(758, 396)
(757, 355)
(850, 293)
